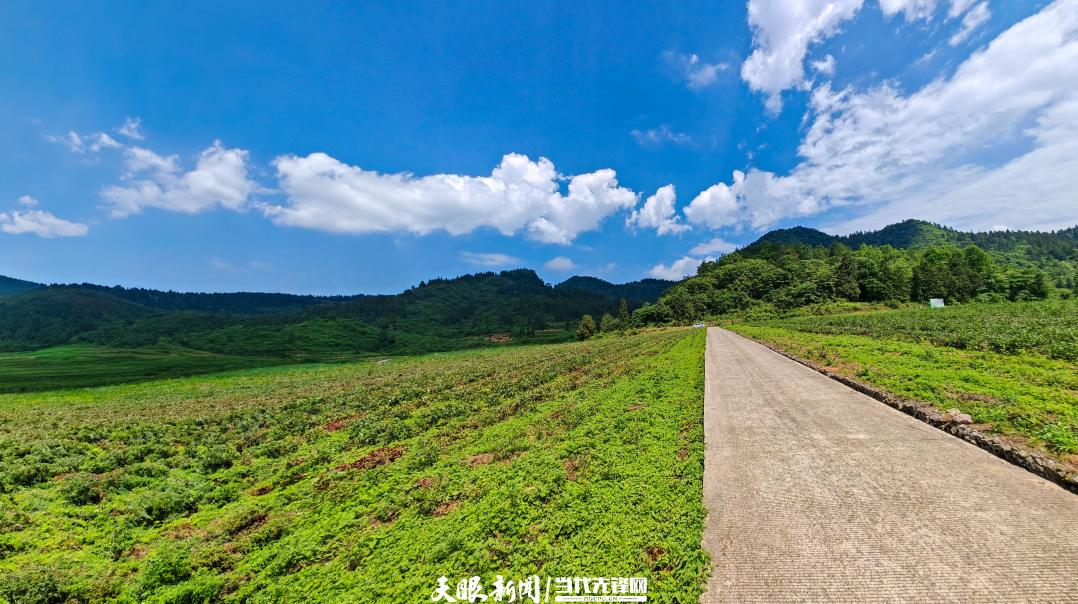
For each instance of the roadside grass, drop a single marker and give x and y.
(1025, 394)
(362, 482)
(1046, 327)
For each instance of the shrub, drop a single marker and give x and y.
(82, 489)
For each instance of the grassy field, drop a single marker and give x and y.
(362, 482)
(1011, 366)
(87, 366)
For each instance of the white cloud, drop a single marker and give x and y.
(826, 66)
(958, 7)
(40, 223)
(655, 138)
(973, 19)
(996, 143)
(658, 213)
(782, 33)
(77, 144)
(914, 9)
(676, 271)
(71, 141)
(715, 246)
(697, 73)
(326, 194)
(718, 205)
(101, 141)
(26, 200)
(219, 178)
(221, 264)
(489, 259)
(560, 264)
(132, 129)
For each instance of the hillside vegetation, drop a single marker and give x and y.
(362, 482)
(772, 280)
(442, 314)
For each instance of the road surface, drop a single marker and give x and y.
(817, 493)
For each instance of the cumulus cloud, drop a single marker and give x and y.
(677, 270)
(219, 178)
(782, 33)
(973, 19)
(656, 138)
(826, 66)
(719, 205)
(26, 200)
(697, 74)
(658, 213)
(132, 129)
(326, 194)
(996, 143)
(715, 246)
(489, 259)
(42, 224)
(560, 264)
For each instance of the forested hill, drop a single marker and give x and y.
(10, 286)
(645, 290)
(441, 314)
(243, 303)
(767, 278)
(919, 235)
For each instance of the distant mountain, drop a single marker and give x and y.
(440, 314)
(918, 234)
(645, 290)
(10, 286)
(241, 303)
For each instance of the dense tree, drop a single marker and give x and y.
(586, 329)
(623, 316)
(608, 324)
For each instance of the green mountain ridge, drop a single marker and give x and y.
(645, 290)
(437, 315)
(10, 285)
(919, 234)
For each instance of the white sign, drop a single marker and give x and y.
(936, 302)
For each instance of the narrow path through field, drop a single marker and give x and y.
(817, 493)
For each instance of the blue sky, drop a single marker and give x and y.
(342, 147)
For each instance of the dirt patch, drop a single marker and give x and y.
(571, 466)
(479, 460)
(500, 338)
(262, 490)
(425, 483)
(635, 407)
(337, 425)
(682, 454)
(654, 553)
(374, 459)
(446, 508)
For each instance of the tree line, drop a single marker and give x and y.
(784, 277)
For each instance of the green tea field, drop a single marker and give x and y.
(362, 482)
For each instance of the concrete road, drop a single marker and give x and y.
(817, 493)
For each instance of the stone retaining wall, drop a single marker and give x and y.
(1022, 457)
